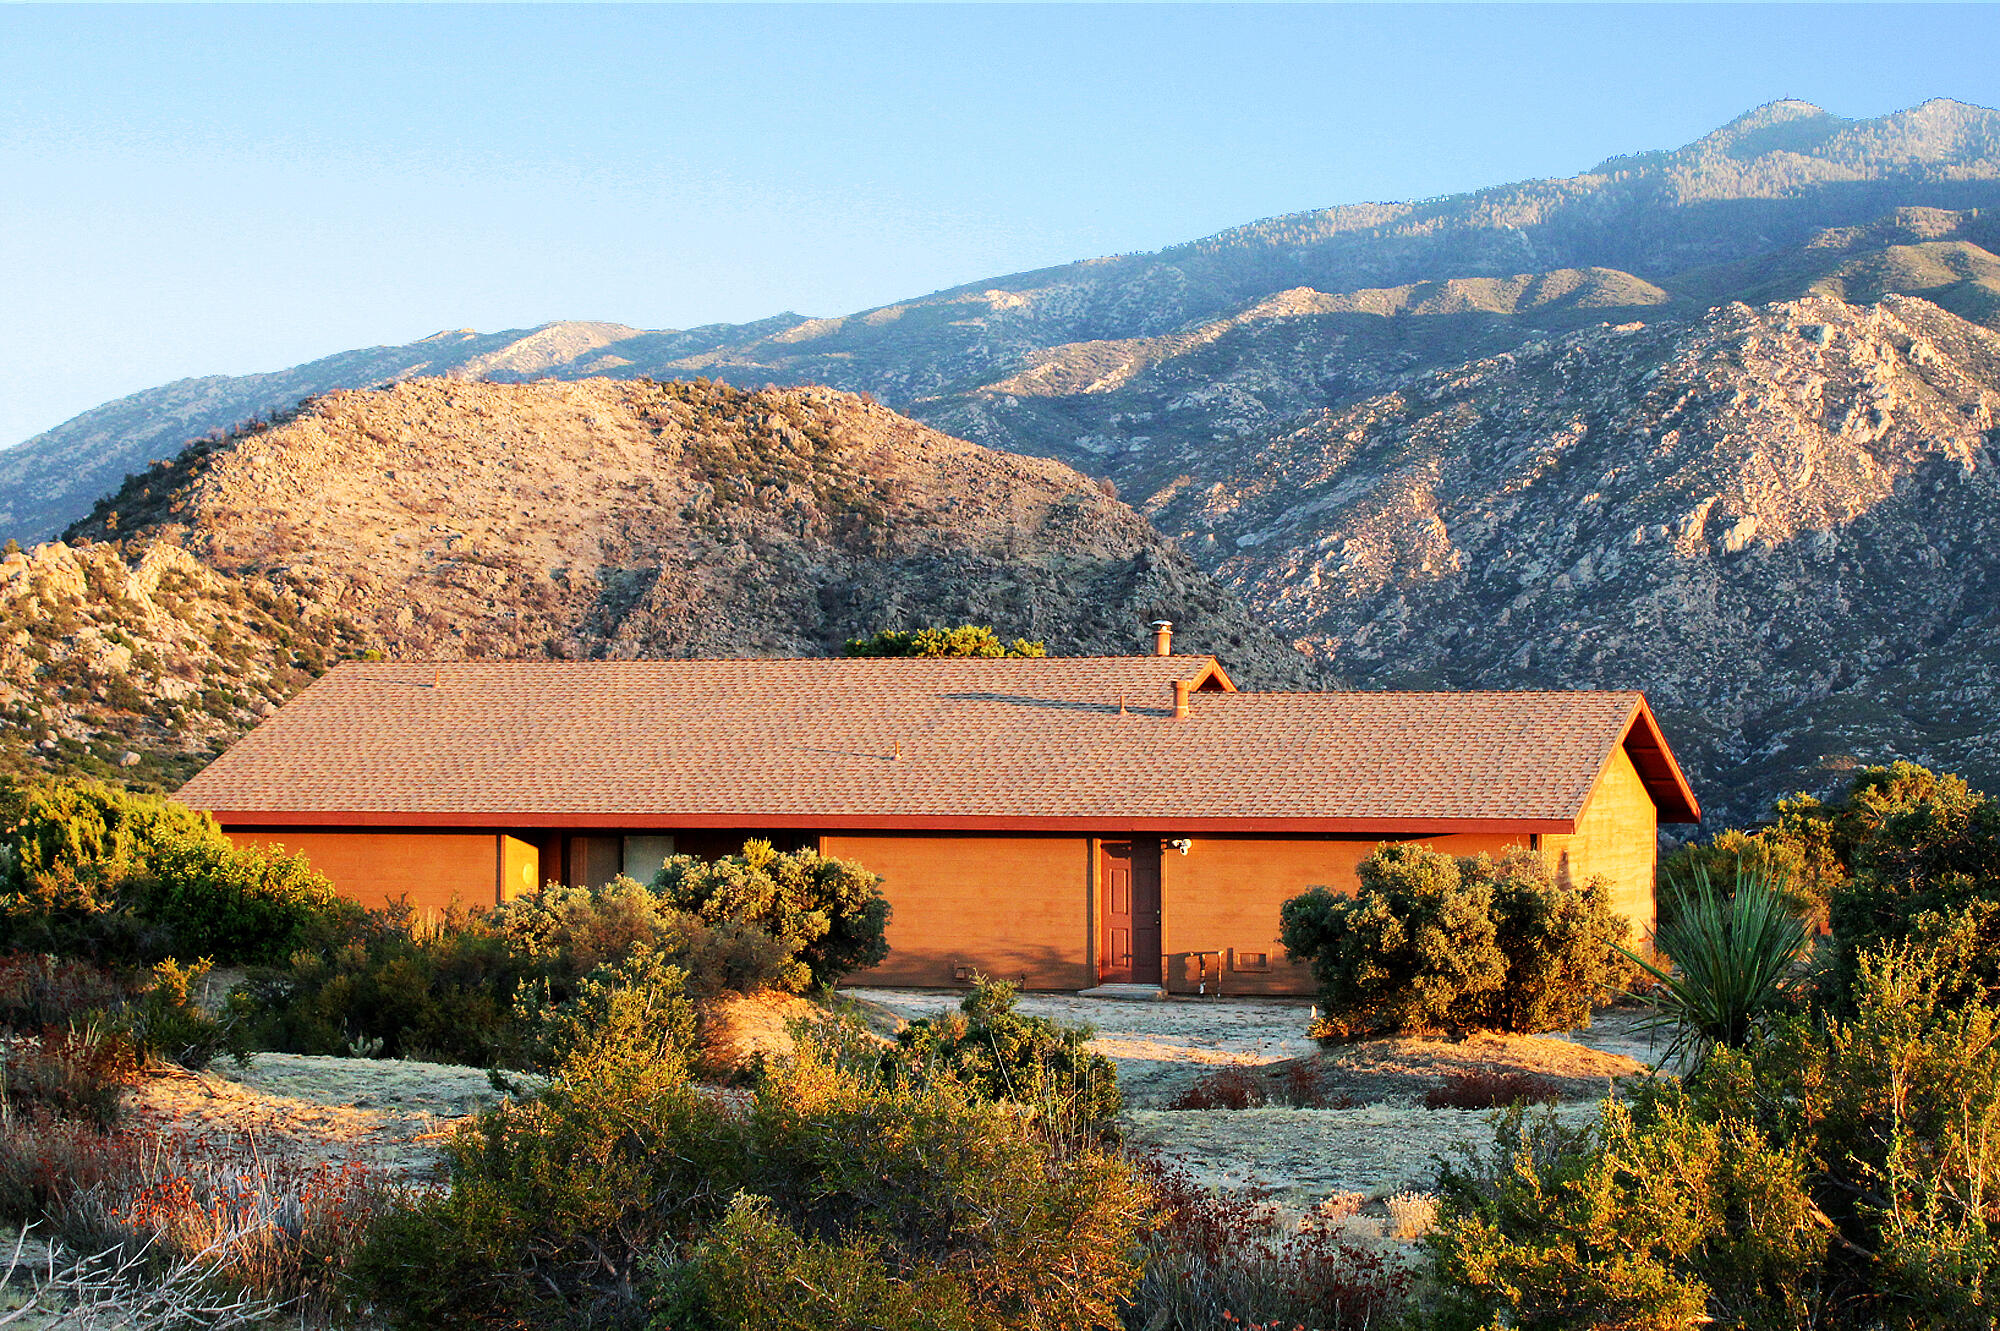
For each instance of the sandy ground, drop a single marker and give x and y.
(1299, 1156)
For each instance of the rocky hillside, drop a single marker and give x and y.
(140, 662)
(1783, 522)
(601, 518)
(1224, 336)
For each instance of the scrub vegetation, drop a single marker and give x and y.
(1827, 1161)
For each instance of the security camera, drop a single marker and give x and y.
(1181, 844)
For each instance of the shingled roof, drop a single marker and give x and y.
(1023, 744)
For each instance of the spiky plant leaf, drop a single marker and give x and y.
(1730, 953)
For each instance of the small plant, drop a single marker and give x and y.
(1731, 955)
(1412, 1215)
(1228, 1088)
(1491, 1090)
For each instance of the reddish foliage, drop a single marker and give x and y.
(72, 1072)
(45, 1161)
(1301, 1085)
(36, 992)
(1214, 1258)
(1230, 1088)
(1491, 1090)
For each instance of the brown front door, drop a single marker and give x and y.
(1131, 877)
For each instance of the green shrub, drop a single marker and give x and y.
(829, 913)
(753, 1272)
(616, 1192)
(1430, 943)
(1731, 956)
(1561, 944)
(167, 1025)
(101, 872)
(1836, 1170)
(1654, 1218)
(1900, 843)
(398, 987)
(504, 986)
(1002, 1055)
(1895, 1105)
(1414, 950)
(965, 640)
(569, 932)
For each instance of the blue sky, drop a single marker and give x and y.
(225, 189)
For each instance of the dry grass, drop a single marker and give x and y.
(386, 1113)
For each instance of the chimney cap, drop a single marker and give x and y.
(1163, 637)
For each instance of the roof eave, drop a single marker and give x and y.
(1643, 741)
(526, 819)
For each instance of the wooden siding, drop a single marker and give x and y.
(1223, 896)
(1618, 837)
(429, 869)
(1015, 908)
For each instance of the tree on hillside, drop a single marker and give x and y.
(965, 640)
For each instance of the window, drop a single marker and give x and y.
(644, 854)
(1250, 961)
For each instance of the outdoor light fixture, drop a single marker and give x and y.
(1181, 844)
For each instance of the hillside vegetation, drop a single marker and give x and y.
(619, 519)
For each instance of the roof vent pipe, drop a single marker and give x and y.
(1180, 699)
(1163, 637)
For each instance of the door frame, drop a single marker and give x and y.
(1142, 854)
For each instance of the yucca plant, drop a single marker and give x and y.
(1730, 954)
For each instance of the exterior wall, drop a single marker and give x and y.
(429, 869)
(1617, 837)
(1015, 908)
(1223, 896)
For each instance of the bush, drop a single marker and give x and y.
(1431, 944)
(965, 640)
(97, 871)
(1298, 1084)
(1892, 1105)
(77, 1072)
(565, 933)
(1561, 945)
(753, 1272)
(41, 991)
(1836, 1170)
(1491, 1090)
(1414, 951)
(399, 988)
(502, 986)
(829, 914)
(167, 1025)
(1001, 1055)
(1655, 1218)
(624, 1187)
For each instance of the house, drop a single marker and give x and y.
(1059, 821)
